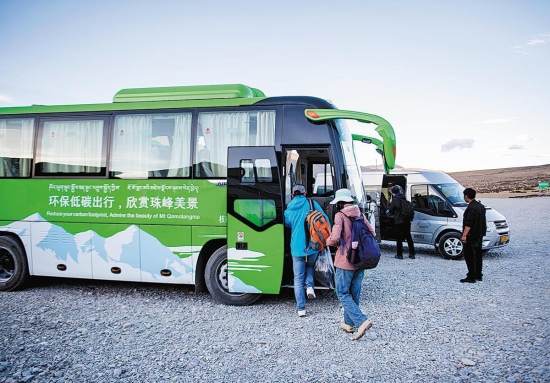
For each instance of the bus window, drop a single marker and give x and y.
(71, 147)
(152, 146)
(219, 130)
(323, 179)
(16, 145)
(310, 168)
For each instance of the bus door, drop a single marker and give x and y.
(255, 223)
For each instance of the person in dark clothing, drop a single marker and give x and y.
(474, 227)
(402, 227)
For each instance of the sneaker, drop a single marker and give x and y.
(347, 328)
(301, 313)
(362, 329)
(310, 293)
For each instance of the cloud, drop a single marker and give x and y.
(524, 137)
(515, 146)
(518, 50)
(457, 143)
(6, 99)
(496, 120)
(541, 38)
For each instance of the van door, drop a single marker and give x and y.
(255, 224)
(431, 213)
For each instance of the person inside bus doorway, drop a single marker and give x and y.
(303, 257)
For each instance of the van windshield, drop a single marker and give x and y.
(453, 192)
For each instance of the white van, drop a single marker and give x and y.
(439, 206)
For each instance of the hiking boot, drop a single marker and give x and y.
(361, 330)
(301, 313)
(310, 293)
(412, 256)
(347, 328)
(468, 280)
(399, 256)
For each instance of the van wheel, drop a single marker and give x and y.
(216, 278)
(14, 270)
(451, 247)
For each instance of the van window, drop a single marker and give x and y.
(453, 192)
(426, 200)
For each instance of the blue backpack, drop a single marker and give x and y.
(367, 253)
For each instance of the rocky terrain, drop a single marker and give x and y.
(506, 182)
(428, 327)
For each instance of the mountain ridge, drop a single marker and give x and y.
(517, 181)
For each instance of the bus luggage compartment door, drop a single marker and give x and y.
(255, 224)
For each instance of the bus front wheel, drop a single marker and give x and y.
(14, 270)
(451, 247)
(216, 278)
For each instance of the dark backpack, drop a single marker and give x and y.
(367, 253)
(407, 210)
(317, 229)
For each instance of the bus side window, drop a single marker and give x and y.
(151, 146)
(16, 147)
(71, 147)
(216, 131)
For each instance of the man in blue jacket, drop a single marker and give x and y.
(303, 257)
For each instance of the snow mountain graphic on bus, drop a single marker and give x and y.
(88, 254)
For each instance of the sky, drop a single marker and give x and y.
(465, 84)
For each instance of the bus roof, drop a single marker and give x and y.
(157, 98)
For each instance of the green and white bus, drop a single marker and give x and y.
(181, 185)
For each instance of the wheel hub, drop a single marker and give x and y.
(453, 246)
(222, 276)
(7, 267)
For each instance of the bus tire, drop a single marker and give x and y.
(451, 247)
(14, 269)
(215, 276)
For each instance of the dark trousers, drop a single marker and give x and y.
(403, 232)
(473, 257)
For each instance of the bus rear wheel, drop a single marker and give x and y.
(216, 278)
(14, 270)
(451, 247)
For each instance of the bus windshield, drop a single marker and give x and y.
(352, 168)
(453, 192)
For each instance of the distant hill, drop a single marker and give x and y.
(513, 180)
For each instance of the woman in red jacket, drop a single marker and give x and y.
(348, 278)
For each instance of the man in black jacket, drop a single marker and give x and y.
(402, 226)
(474, 227)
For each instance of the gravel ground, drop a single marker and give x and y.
(428, 327)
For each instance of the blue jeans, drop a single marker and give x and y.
(348, 290)
(303, 278)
